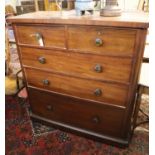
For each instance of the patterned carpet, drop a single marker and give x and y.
(24, 137)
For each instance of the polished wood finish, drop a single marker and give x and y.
(82, 72)
(52, 36)
(78, 113)
(137, 61)
(119, 142)
(127, 19)
(110, 93)
(112, 69)
(118, 42)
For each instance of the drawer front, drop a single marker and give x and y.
(48, 36)
(106, 41)
(81, 65)
(86, 89)
(78, 113)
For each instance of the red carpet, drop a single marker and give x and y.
(24, 137)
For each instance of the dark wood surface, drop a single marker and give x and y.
(78, 87)
(71, 55)
(137, 62)
(78, 113)
(52, 36)
(112, 69)
(127, 19)
(115, 41)
(119, 142)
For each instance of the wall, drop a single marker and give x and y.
(13, 3)
(130, 5)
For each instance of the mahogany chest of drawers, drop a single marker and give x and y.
(82, 72)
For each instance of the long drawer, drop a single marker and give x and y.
(80, 65)
(47, 36)
(86, 115)
(99, 40)
(82, 88)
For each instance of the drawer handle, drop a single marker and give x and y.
(38, 37)
(98, 92)
(46, 82)
(49, 108)
(96, 119)
(98, 68)
(42, 60)
(99, 33)
(98, 42)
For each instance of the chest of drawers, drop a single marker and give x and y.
(82, 72)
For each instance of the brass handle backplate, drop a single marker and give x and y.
(98, 42)
(98, 92)
(98, 68)
(38, 36)
(46, 82)
(42, 60)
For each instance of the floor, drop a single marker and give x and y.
(26, 137)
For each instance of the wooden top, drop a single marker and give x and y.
(127, 19)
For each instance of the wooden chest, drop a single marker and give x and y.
(82, 72)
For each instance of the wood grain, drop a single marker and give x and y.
(127, 19)
(115, 41)
(111, 93)
(69, 97)
(137, 62)
(53, 36)
(80, 65)
(76, 112)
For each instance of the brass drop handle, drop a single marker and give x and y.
(42, 60)
(49, 108)
(98, 68)
(96, 119)
(98, 92)
(98, 42)
(38, 37)
(46, 82)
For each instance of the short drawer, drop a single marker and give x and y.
(99, 40)
(48, 36)
(80, 65)
(78, 113)
(82, 88)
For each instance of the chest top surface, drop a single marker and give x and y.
(127, 19)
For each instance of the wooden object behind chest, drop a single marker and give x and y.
(82, 72)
